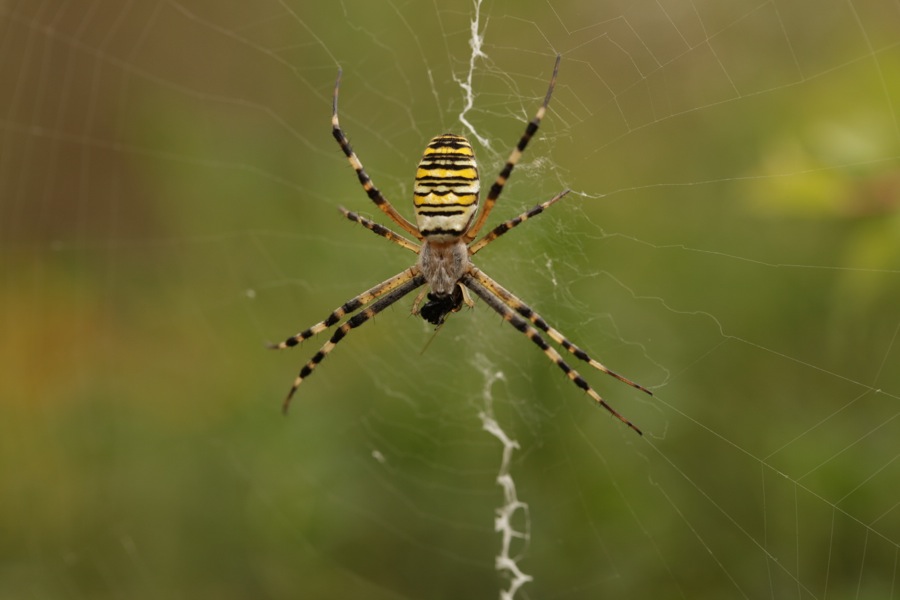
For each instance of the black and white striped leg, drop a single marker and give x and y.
(510, 316)
(513, 159)
(348, 307)
(380, 230)
(373, 192)
(353, 322)
(507, 225)
(526, 311)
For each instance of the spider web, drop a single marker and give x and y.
(168, 204)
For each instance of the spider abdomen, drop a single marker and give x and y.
(446, 190)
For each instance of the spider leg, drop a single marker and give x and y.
(514, 157)
(366, 182)
(418, 301)
(380, 230)
(507, 225)
(409, 284)
(348, 307)
(510, 316)
(526, 311)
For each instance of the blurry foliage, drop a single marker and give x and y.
(171, 205)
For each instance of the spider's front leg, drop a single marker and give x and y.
(387, 294)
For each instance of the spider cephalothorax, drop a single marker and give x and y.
(446, 202)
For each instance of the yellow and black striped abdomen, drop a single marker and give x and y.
(446, 192)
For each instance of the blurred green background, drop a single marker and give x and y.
(168, 204)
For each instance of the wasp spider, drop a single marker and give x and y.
(446, 202)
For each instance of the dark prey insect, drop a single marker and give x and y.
(446, 202)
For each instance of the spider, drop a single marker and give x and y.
(446, 201)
